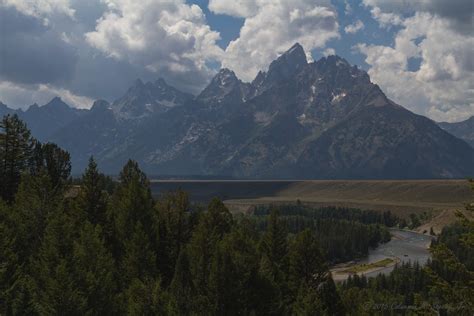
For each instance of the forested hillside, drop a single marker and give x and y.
(103, 247)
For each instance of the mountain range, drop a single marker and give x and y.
(322, 119)
(463, 130)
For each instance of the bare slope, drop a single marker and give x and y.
(400, 196)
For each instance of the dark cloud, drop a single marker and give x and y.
(31, 52)
(56, 53)
(459, 12)
(97, 76)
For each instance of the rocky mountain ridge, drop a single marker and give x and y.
(323, 119)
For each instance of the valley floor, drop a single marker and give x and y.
(439, 199)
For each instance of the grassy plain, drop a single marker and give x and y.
(438, 199)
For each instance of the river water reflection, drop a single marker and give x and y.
(405, 246)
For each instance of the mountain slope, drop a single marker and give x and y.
(145, 99)
(324, 119)
(44, 121)
(386, 142)
(463, 130)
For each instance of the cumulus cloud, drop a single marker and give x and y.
(329, 52)
(40, 8)
(443, 86)
(459, 13)
(354, 28)
(347, 8)
(32, 52)
(26, 95)
(236, 8)
(271, 27)
(165, 37)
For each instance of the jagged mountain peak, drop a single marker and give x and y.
(4, 109)
(296, 52)
(284, 67)
(138, 83)
(143, 99)
(55, 100)
(161, 82)
(323, 119)
(33, 107)
(334, 60)
(225, 77)
(335, 63)
(259, 78)
(100, 104)
(55, 103)
(225, 86)
(338, 70)
(225, 71)
(289, 62)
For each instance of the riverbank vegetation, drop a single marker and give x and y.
(369, 266)
(445, 286)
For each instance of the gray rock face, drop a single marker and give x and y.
(225, 88)
(324, 119)
(463, 130)
(145, 99)
(44, 121)
(285, 66)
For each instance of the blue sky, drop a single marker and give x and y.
(229, 28)
(419, 52)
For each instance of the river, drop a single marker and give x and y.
(405, 246)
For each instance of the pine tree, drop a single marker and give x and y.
(25, 223)
(92, 197)
(308, 302)
(174, 230)
(131, 214)
(274, 244)
(212, 227)
(307, 264)
(225, 289)
(35, 201)
(16, 145)
(9, 258)
(145, 298)
(139, 260)
(218, 218)
(182, 287)
(55, 161)
(330, 299)
(93, 271)
(56, 291)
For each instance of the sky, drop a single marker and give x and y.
(420, 52)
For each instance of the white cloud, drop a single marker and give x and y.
(40, 8)
(459, 13)
(236, 8)
(329, 52)
(386, 19)
(273, 26)
(347, 8)
(355, 27)
(167, 37)
(443, 86)
(21, 96)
